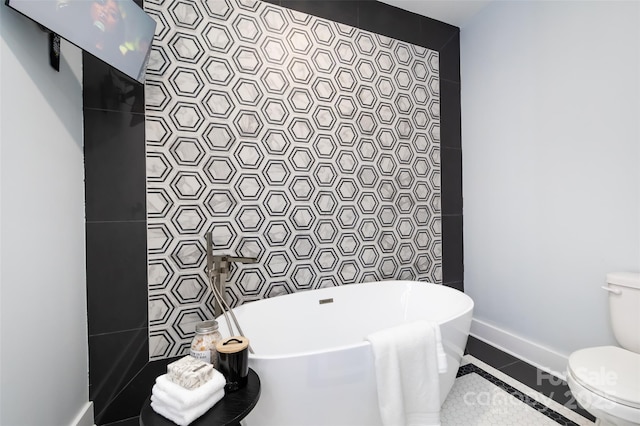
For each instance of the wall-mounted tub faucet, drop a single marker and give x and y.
(220, 271)
(217, 271)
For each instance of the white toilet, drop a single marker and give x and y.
(605, 380)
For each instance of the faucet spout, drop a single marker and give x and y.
(222, 263)
(218, 267)
(241, 259)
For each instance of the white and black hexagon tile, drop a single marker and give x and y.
(311, 145)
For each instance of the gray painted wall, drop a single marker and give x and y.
(43, 315)
(551, 141)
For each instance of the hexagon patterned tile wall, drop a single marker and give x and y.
(311, 145)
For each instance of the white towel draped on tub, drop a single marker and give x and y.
(408, 360)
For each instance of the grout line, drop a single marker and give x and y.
(106, 333)
(93, 222)
(507, 365)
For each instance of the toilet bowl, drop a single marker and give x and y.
(605, 380)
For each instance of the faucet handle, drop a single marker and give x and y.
(221, 262)
(218, 269)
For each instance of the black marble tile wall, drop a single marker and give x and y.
(116, 236)
(114, 152)
(346, 12)
(116, 271)
(115, 192)
(451, 161)
(380, 18)
(120, 373)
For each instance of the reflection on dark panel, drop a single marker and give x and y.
(116, 276)
(114, 360)
(451, 193)
(383, 19)
(345, 12)
(131, 398)
(450, 131)
(450, 59)
(452, 249)
(436, 34)
(114, 166)
(108, 89)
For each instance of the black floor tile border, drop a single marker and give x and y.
(526, 374)
(489, 354)
(526, 399)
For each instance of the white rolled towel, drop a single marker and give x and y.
(187, 398)
(185, 416)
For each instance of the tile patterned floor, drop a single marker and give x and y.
(484, 396)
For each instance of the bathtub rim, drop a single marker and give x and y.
(363, 343)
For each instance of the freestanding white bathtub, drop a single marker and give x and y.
(315, 366)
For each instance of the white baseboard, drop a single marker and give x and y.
(85, 416)
(533, 353)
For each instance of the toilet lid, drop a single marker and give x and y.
(609, 371)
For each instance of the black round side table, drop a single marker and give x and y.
(227, 412)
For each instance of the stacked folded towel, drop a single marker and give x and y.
(181, 405)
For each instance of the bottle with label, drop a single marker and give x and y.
(203, 345)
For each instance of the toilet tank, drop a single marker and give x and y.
(624, 308)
